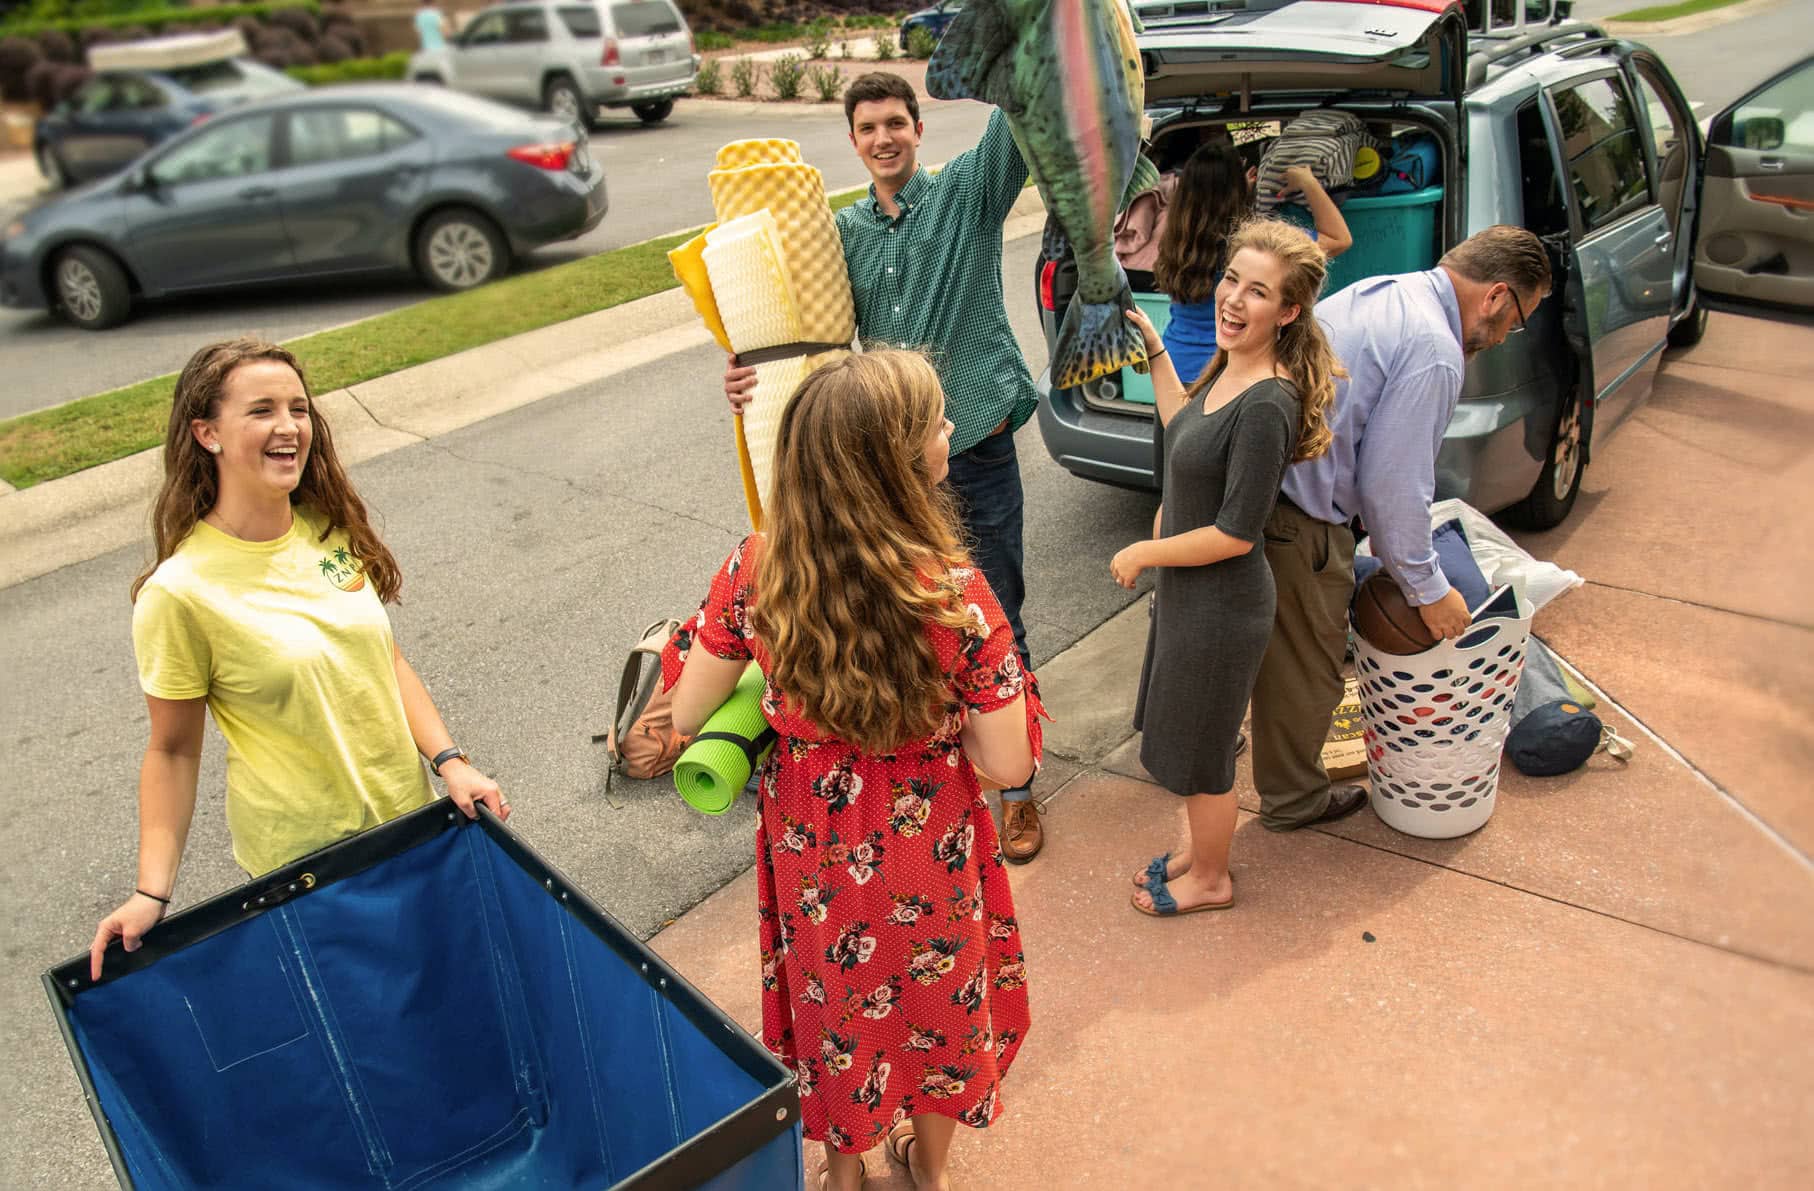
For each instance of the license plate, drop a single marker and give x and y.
(656, 56)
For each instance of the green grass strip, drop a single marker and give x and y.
(93, 430)
(1669, 12)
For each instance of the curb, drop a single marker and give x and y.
(82, 516)
(1692, 23)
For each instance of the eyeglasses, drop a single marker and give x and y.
(1520, 307)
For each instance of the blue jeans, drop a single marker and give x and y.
(986, 481)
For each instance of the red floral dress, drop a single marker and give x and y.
(893, 979)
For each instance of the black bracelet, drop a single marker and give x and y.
(1155, 355)
(444, 756)
(162, 901)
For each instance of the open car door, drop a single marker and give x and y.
(1756, 239)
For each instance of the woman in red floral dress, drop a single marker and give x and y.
(892, 973)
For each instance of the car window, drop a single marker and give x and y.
(644, 18)
(486, 29)
(526, 25)
(137, 95)
(93, 96)
(1656, 113)
(1605, 152)
(343, 134)
(1545, 210)
(581, 22)
(232, 149)
(1781, 116)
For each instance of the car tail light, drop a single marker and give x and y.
(552, 155)
(199, 119)
(1047, 272)
(610, 58)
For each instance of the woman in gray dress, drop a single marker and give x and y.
(1259, 405)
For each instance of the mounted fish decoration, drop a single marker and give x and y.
(1067, 75)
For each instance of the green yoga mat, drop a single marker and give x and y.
(717, 765)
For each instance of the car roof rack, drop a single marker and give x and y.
(1505, 54)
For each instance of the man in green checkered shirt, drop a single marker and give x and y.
(924, 254)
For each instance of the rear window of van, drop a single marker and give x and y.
(644, 18)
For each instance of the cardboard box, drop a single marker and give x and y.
(1345, 749)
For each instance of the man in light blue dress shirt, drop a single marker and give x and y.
(1405, 341)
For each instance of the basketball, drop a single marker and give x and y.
(1387, 620)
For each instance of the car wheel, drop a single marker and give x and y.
(653, 113)
(91, 288)
(1559, 483)
(1688, 331)
(460, 249)
(562, 99)
(51, 166)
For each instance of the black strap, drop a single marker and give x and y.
(751, 748)
(786, 351)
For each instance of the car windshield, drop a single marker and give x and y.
(581, 22)
(644, 18)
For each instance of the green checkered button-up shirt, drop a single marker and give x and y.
(931, 278)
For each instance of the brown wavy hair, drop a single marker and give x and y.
(1303, 350)
(1210, 203)
(859, 553)
(191, 479)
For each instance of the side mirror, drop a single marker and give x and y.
(1758, 132)
(138, 180)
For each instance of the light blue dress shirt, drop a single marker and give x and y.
(1400, 339)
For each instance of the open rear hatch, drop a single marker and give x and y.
(1200, 50)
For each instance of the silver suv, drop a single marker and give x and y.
(1582, 138)
(571, 59)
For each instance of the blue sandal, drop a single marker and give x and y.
(1166, 906)
(1155, 871)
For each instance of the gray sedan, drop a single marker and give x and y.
(340, 181)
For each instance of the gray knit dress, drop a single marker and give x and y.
(1211, 623)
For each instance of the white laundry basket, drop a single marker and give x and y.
(1436, 723)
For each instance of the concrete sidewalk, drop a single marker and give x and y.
(1611, 984)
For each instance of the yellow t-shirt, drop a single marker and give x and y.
(292, 648)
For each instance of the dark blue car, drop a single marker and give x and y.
(934, 20)
(117, 115)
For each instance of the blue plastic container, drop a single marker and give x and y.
(426, 1005)
(1393, 233)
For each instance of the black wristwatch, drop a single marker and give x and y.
(446, 755)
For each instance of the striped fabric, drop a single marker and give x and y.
(1325, 140)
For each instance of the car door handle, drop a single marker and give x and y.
(1771, 163)
(258, 192)
(1663, 240)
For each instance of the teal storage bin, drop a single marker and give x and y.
(1393, 233)
(1137, 387)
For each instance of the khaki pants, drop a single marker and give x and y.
(1300, 679)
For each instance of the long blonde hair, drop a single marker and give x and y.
(1303, 350)
(859, 553)
(192, 481)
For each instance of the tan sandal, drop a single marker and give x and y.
(900, 1143)
(825, 1179)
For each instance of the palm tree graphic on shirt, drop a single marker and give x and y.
(343, 569)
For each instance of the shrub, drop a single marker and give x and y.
(300, 21)
(828, 81)
(40, 84)
(17, 57)
(710, 79)
(786, 75)
(776, 32)
(332, 50)
(67, 79)
(713, 40)
(818, 39)
(59, 46)
(745, 74)
(920, 42)
(885, 48)
(151, 19)
(353, 70)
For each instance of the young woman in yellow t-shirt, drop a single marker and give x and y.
(266, 607)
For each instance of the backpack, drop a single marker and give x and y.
(641, 742)
(1416, 163)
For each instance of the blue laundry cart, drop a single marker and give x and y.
(426, 1005)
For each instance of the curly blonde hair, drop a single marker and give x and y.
(1303, 350)
(859, 553)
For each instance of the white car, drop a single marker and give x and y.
(570, 59)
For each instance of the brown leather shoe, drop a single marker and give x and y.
(1021, 835)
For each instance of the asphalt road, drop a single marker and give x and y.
(534, 546)
(657, 185)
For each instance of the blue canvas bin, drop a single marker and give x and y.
(1393, 233)
(426, 1005)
